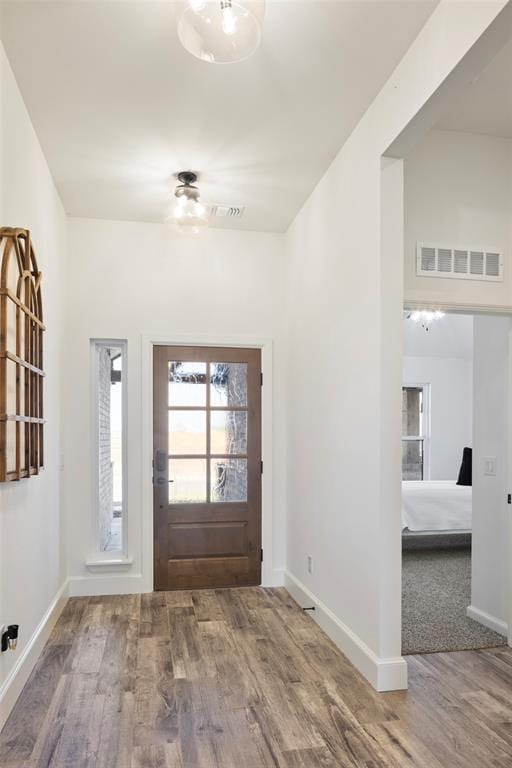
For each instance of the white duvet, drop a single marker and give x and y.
(436, 505)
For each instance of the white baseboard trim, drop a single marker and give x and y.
(491, 622)
(385, 674)
(19, 674)
(112, 584)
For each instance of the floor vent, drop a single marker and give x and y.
(461, 263)
(228, 211)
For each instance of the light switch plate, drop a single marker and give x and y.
(490, 465)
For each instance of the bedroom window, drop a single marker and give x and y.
(414, 432)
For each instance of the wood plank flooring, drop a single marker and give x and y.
(242, 678)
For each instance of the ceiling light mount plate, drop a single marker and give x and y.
(187, 177)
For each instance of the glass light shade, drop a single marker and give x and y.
(221, 31)
(426, 316)
(189, 215)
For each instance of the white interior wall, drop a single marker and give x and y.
(344, 347)
(443, 358)
(458, 191)
(31, 562)
(491, 541)
(137, 280)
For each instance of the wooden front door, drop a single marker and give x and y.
(206, 467)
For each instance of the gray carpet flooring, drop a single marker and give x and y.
(436, 590)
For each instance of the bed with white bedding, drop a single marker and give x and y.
(436, 505)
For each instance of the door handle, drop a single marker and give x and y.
(160, 465)
(161, 480)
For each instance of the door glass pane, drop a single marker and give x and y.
(412, 411)
(228, 384)
(187, 432)
(228, 479)
(187, 481)
(229, 431)
(187, 383)
(412, 459)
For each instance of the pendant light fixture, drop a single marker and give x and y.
(221, 31)
(188, 214)
(425, 317)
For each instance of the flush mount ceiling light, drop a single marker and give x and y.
(221, 31)
(188, 214)
(425, 317)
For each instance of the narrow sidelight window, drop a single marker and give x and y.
(109, 447)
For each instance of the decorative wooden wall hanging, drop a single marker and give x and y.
(21, 357)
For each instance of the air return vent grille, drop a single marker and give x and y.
(228, 211)
(461, 263)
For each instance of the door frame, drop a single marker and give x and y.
(451, 307)
(268, 576)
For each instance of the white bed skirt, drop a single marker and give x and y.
(436, 505)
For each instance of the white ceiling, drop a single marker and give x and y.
(451, 336)
(119, 106)
(485, 105)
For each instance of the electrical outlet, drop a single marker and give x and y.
(310, 564)
(490, 466)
